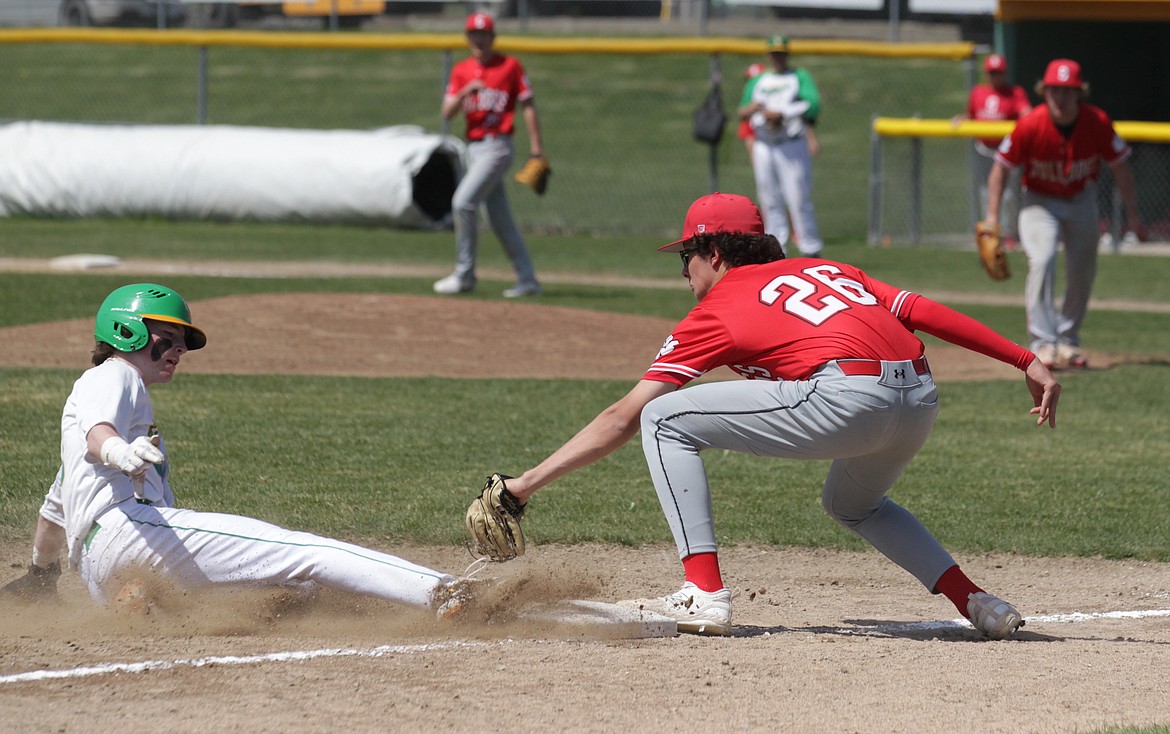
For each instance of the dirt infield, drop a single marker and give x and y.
(825, 641)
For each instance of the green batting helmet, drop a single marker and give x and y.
(119, 320)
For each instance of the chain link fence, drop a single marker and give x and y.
(922, 187)
(616, 114)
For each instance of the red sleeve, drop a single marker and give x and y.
(523, 87)
(1011, 149)
(698, 343)
(922, 314)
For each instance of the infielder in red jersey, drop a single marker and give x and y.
(996, 101)
(1059, 148)
(486, 88)
(836, 374)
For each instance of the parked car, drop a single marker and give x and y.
(120, 12)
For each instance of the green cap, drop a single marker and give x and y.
(119, 320)
(778, 45)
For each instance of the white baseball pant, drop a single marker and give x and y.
(204, 548)
(783, 173)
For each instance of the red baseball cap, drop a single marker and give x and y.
(719, 213)
(995, 62)
(1063, 73)
(753, 70)
(479, 22)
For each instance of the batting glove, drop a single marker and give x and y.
(130, 458)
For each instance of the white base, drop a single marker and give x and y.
(84, 262)
(616, 621)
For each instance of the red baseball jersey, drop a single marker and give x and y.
(1060, 165)
(492, 110)
(994, 105)
(783, 320)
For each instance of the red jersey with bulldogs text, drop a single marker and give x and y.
(783, 320)
(1056, 165)
(492, 110)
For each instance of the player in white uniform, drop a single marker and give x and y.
(782, 105)
(114, 501)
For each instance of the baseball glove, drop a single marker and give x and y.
(535, 173)
(493, 521)
(991, 251)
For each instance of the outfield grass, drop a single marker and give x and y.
(397, 459)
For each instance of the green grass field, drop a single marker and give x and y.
(397, 459)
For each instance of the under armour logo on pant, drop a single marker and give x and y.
(899, 374)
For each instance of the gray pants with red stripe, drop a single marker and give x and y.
(869, 426)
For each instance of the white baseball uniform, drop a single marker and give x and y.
(780, 157)
(112, 536)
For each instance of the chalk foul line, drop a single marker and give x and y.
(275, 657)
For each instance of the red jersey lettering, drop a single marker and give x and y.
(492, 110)
(1055, 165)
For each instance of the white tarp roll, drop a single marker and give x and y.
(229, 173)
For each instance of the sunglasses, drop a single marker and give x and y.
(686, 256)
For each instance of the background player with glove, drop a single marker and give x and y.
(782, 104)
(114, 501)
(1060, 147)
(835, 373)
(996, 100)
(486, 88)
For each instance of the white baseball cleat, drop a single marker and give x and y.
(697, 612)
(993, 616)
(520, 290)
(453, 285)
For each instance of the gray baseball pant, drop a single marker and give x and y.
(869, 426)
(488, 162)
(1045, 222)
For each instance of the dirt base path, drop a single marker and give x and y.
(825, 642)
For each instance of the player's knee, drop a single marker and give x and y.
(849, 514)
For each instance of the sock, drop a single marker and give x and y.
(702, 570)
(41, 560)
(955, 585)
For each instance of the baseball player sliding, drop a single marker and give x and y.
(833, 372)
(114, 503)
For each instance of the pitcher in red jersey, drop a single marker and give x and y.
(487, 88)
